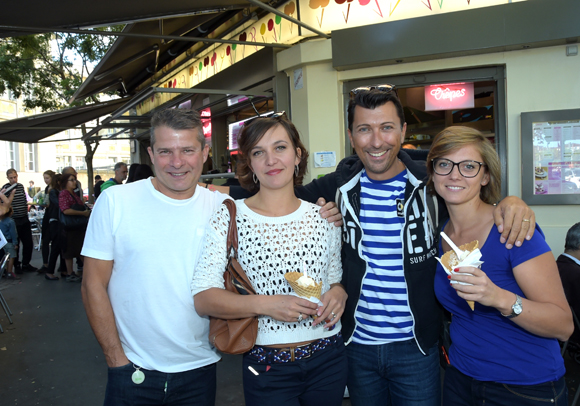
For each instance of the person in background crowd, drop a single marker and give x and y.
(97, 188)
(4, 203)
(132, 170)
(54, 232)
(8, 228)
(569, 268)
(120, 176)
(47, 175)
(137, 303)
(144, 171)
(20, 217)
(504, 351)
(70, 204)
(296, 359)
(69, 170)
(31, 190)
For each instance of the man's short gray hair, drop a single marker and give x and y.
(573, 238)
(119, 165)
(177, 119)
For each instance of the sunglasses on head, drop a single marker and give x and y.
(387, 88)
(276, 114)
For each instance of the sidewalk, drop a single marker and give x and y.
(50, 357)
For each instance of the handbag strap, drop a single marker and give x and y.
(232, 244)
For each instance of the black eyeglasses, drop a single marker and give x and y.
(387, 88)
(467, 169)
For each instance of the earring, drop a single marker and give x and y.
(255, 178)
(296, 170)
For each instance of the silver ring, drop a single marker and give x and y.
(525, 221)
(333, 315)
(300, 317)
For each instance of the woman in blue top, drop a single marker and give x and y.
(504, 352)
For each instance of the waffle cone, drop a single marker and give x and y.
(450, 261)
(309, 291)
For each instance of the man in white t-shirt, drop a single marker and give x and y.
(141, 247)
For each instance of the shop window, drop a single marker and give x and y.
(29, 158)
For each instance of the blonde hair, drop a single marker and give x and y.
(453, 138)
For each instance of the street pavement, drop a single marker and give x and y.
(49, 356)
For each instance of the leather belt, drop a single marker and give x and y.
(290, 354)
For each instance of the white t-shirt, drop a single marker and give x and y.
(268, 248)
(155, 243)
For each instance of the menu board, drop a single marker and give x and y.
(556, 157)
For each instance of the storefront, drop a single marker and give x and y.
(520, 58)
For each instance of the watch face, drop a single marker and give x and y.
(517, 307)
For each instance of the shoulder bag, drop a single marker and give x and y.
(74, 222)
(234, 336)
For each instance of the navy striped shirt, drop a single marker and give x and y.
(383, 313)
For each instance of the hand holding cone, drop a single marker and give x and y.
(470, 256)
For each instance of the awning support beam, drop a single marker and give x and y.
(146, 93)
(134, 35)
(266, 7)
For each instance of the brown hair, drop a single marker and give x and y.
(55, 181)
(64, 179)
(453, 138)
(251, 134)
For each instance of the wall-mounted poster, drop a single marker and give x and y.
(551, 157)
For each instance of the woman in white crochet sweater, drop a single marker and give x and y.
(297, 360)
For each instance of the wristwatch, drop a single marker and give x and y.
(516, 308)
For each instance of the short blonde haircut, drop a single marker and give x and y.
(453, 138)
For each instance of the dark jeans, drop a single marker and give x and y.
(45, 240)
(462, 390)
(315, 381)
(25, 237)
(55, 249)
(189, 388)
(396, 374)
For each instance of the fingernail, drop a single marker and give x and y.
(456, 270)
(528, 237)
(448, 276)
(509, 246)
(518, 243)
(502, 240)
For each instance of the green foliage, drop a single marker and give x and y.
(46, 69)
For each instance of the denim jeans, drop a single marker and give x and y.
(394, 374)
(315, 381)
(462, 390)
(189, 388)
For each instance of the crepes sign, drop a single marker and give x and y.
(449, 96)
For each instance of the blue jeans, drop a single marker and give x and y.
(396, 374)
(462, 390)
(315, 381)
(189, 388)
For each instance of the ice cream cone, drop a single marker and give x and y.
(450, 261)
(309, 291)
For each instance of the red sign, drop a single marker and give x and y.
(449, 96)
(206, 124)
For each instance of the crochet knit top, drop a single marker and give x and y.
(269, 247)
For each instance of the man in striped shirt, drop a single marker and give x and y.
(20, 206)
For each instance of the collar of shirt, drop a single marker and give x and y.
(572, 258)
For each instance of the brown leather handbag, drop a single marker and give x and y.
(234, 336)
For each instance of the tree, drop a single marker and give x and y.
(44, 71)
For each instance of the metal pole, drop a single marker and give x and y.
(34, 30)
(258, 3)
